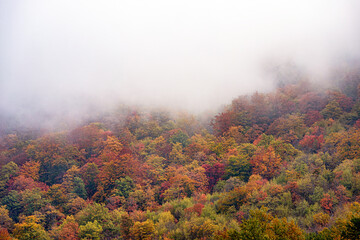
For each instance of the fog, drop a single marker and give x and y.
(68, 58)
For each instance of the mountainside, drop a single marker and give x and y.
(280, 165)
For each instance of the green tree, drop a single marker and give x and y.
(238, 166)
(91, 231)
(12, 201)
(124, 186)
(332, 110)
(6, 172)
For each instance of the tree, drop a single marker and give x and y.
(223, 122)
(32, 200)
(177, 156)
(29, 229)
(321, 219)
(119, 167)
(327, 203)
(4, 234)
(165, 224)
(312, 117)
(143, 230)
(68, 230)
(349, 145)
(214, 173)
(123, 187)
(5, 220)
(90, 231)
(332, 110)
(30, 169)
(238, 166)
(310, 101)
(55, 154)
(352, 229)
(289, 127)
(179, 137)
(261, 225)
(57, 196)
(266, 163)
(312, 143)
(89, 174)
(238, 133)
(7, 171)
(89, 139)
(180, 186)
(12, 201)
(234, 198)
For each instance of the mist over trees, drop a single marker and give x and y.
(179, 119)
(276, 165)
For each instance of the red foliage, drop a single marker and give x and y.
(214, 173)
(240, 215)
(197, 208)
(114, 202)
(222, 122)
(21, 183)
(291, 186)
(311, 102)
(70, 231)
(341, 194)
(254, 132)
(4, 234)
(345, 102)
(357, 124)
(262, 195)
(88, 138)
(311, 117)
(312, 143)
(327, 203)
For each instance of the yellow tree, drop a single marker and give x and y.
(30, 229)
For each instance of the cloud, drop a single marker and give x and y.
(61, 57)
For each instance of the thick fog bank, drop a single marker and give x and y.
(63, 61)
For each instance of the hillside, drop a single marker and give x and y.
(281, 165)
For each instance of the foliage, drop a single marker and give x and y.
(278, 165)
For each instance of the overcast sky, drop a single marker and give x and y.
(60, 56)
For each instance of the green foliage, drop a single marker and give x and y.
(262, 225)
(332, 110)
(12, 201)
(123, 187)
(180, 137)
(8, 171)
(32, 200)
(109, 221)
(234, 198)
(91, 231)
(238, 166)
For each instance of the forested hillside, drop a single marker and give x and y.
(278, 165)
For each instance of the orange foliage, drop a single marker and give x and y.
(266, 163)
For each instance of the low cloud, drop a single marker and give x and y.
(66, 58)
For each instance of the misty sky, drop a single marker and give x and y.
(61, 56)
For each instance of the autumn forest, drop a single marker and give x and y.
(278, 165)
